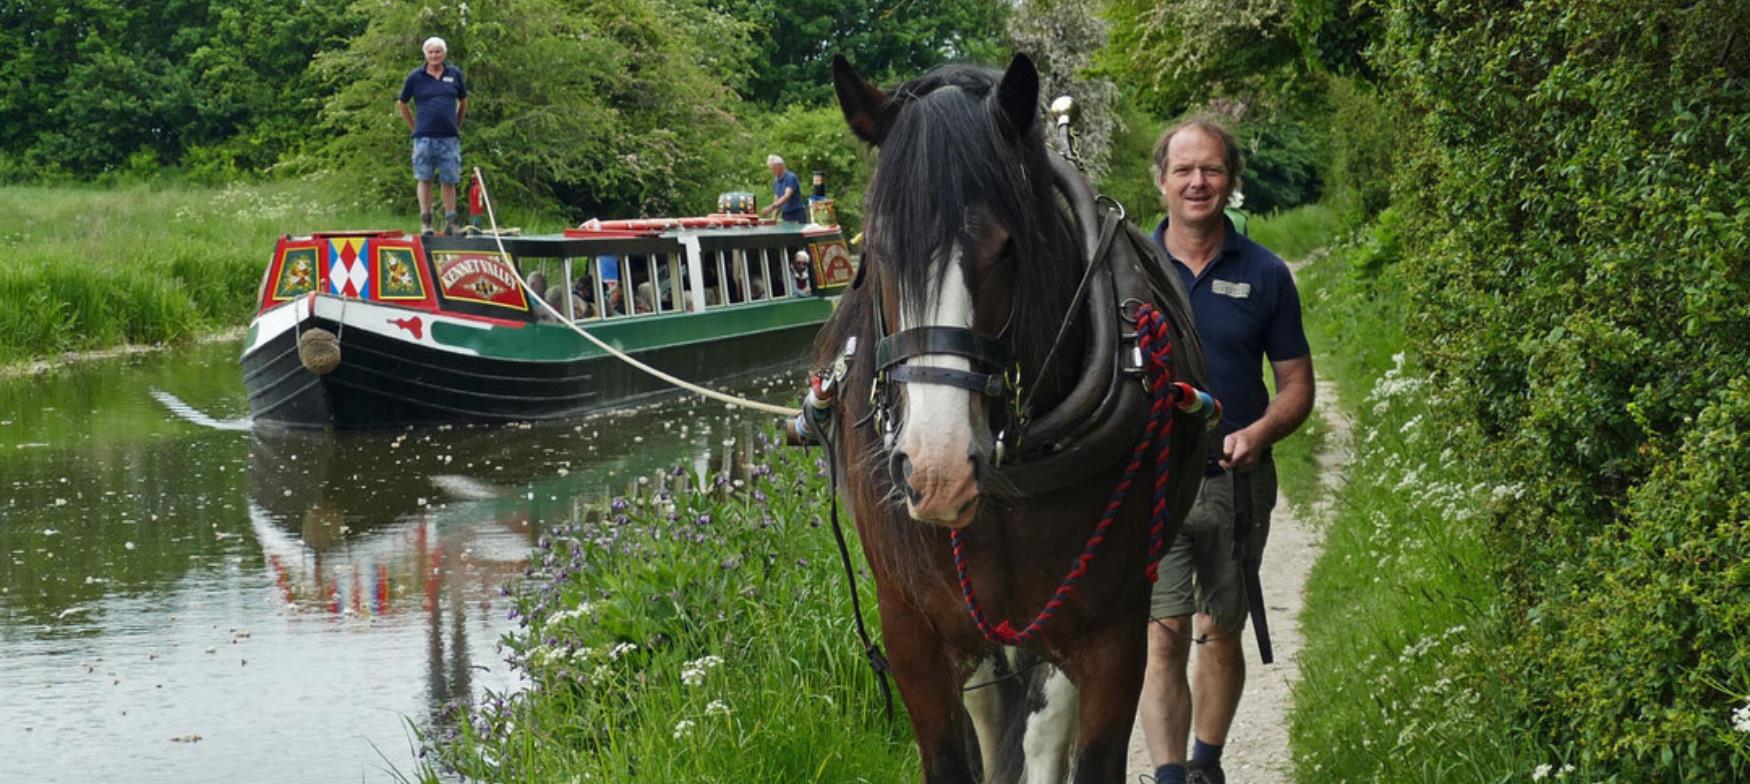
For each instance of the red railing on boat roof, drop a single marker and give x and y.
(646, 227)
(378, 233)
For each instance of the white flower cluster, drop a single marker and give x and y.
(1741, 718)
(1542, 772)
(693, 674)
(683, 728)
(583, 610)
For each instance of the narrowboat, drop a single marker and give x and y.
(373, 329)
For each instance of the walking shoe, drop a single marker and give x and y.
(1198, 774)
(425, 223)
(452, 225)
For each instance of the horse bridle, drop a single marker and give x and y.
(995, 373)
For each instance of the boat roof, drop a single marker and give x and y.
(617, 237)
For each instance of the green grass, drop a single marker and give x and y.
(625, 609)
(92, 268)
(1295, 233)
(1401, 673)
(1298, 474)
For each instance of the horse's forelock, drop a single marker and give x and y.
(949, 153)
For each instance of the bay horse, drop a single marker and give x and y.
(987, 421)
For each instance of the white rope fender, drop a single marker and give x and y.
(614, 352)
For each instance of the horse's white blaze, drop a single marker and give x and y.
(937, 433)
(1050, 730)
(985, 706)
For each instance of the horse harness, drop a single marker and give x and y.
(1098, 419)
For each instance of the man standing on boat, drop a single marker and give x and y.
(1246, 308)
(787, 198)
(441, 98)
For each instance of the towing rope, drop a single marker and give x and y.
(1155, 340)
(614, 352)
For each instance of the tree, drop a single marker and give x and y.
(889, 40)
(1062, 36)
(610, 108)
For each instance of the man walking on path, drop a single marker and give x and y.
(1246, 308)
(441, 98)
(787, 198)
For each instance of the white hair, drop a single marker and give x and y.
(774, 159)
(434, 40)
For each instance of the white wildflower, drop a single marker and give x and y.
(683, 728)
(1741, 718)
(621, 650)
(1541, 772)
(717, 708)
(692, 676)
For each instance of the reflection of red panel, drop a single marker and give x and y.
(382, 603)
(832, 264)
(476, 276)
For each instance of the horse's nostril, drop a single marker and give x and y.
(899, 470)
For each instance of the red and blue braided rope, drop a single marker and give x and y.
(1155, 340)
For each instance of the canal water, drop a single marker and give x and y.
(185, 600)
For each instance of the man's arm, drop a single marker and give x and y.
(778, 204)
(406, 113)
(1293, 402)
(461, 109)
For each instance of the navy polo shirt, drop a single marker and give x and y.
(794, 209)
(434, 101)
(1246, 308)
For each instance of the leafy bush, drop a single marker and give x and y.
(1575, 204)
(1364, 133)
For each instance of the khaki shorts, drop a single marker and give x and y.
(1199, 572)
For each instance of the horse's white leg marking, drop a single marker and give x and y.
(985, 706)
(1050, 731)
(937, 434)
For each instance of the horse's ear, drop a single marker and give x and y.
(1018, 94)
(868, 110)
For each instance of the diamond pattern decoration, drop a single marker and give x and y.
(348, 274)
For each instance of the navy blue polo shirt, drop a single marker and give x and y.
(1246, 308)
(794, 210)
(434, 101)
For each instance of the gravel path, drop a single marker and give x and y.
(1257, 746)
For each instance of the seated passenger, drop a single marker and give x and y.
(556, 298)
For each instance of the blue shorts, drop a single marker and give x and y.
(438, 158)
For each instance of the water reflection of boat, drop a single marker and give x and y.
(380, 329)
(363, 525)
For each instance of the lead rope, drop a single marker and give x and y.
(1155, 340)
(877, 659)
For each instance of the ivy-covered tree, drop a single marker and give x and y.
(1062, 37)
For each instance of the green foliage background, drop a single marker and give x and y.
(1576, 189)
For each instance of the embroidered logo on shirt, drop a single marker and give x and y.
(1231, 289)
